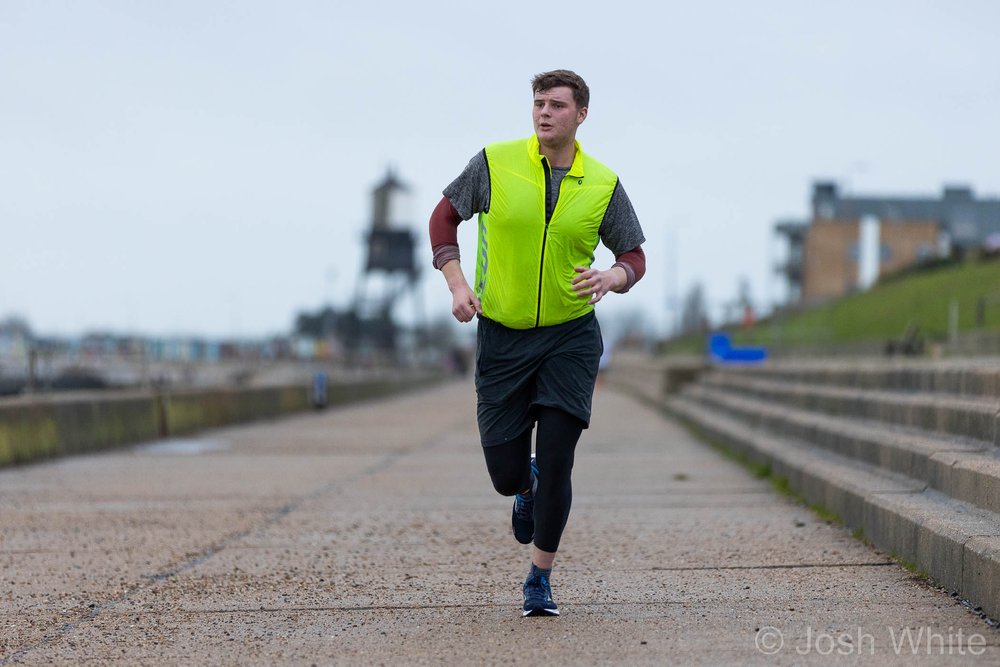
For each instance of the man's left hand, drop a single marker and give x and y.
(594, 284)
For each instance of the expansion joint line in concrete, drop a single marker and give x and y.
(787, 566)
(417, 607)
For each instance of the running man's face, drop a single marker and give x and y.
(556, 116)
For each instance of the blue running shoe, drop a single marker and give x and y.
(522, 519)
(538, 597)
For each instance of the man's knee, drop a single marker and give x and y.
(508, 477)
(507, 464)
(507, 486)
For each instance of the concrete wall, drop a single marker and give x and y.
(195, 410)
(32, 428)
(654, 378)
(35, 427)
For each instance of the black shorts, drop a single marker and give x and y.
(519, 370)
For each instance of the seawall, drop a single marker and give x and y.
(44, 426)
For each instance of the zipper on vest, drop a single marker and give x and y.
(545, 236)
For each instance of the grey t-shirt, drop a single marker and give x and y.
(470, 194)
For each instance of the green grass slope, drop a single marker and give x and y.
(919, 298)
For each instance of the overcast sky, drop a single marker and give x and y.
(206, 167)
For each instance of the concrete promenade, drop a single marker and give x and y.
(370, 534)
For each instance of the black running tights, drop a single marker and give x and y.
(509, 465)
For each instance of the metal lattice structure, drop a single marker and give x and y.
(389, 273)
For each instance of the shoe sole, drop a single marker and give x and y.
(540, 612)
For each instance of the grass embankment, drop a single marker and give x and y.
(919, 299)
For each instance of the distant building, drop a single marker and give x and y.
(15, 339)
(851, 241)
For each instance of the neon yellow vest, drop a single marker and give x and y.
(524, 266)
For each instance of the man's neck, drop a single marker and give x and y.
(559, 156)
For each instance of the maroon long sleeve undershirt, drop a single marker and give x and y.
(444, 232)
(444, 243)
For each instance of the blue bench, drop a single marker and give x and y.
(721, 349)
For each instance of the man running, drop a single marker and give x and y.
(543, 205)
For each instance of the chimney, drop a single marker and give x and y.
(824, 199)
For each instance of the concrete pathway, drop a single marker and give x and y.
(371, 535)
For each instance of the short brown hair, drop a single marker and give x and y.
(563, 77)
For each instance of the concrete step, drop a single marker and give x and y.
(650, 378)
(979, 378)
(946, 414)
(956, 543)
(966, 470)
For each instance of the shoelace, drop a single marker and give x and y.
(525, 507)
(538, 587)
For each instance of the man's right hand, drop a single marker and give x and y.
(464, 303)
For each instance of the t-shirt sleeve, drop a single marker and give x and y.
(470, 192)
(620, 230)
